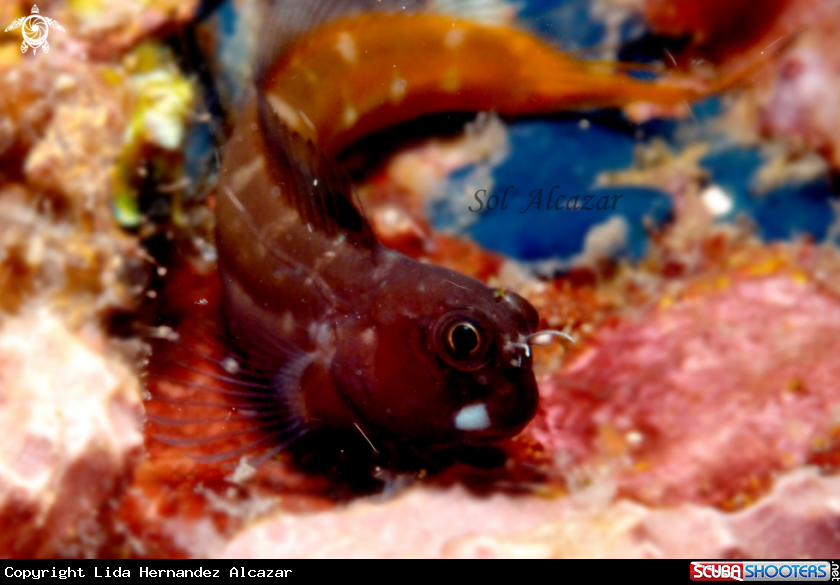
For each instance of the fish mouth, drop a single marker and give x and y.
(503, 414)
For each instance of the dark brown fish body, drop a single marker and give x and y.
(359, 334)
(330, 329)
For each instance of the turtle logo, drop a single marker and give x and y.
(35, 30)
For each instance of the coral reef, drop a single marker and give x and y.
(68, 422)
(698, 413)
(589, 524)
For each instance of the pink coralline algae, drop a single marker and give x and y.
(704, 401)
(69, 415)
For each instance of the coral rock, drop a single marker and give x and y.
(590, 523)
(70, 419)
(705, 400)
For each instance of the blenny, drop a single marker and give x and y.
(326, 328)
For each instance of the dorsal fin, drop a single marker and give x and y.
(312, 183)
(288, 19)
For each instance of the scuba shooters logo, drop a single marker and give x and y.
(35, 31)
(764, 571)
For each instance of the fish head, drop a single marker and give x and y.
(439, 358)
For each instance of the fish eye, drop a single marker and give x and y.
(462, 341)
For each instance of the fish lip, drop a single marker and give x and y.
(517, 402)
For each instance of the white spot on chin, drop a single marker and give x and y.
(473, 417)
(346, 47)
